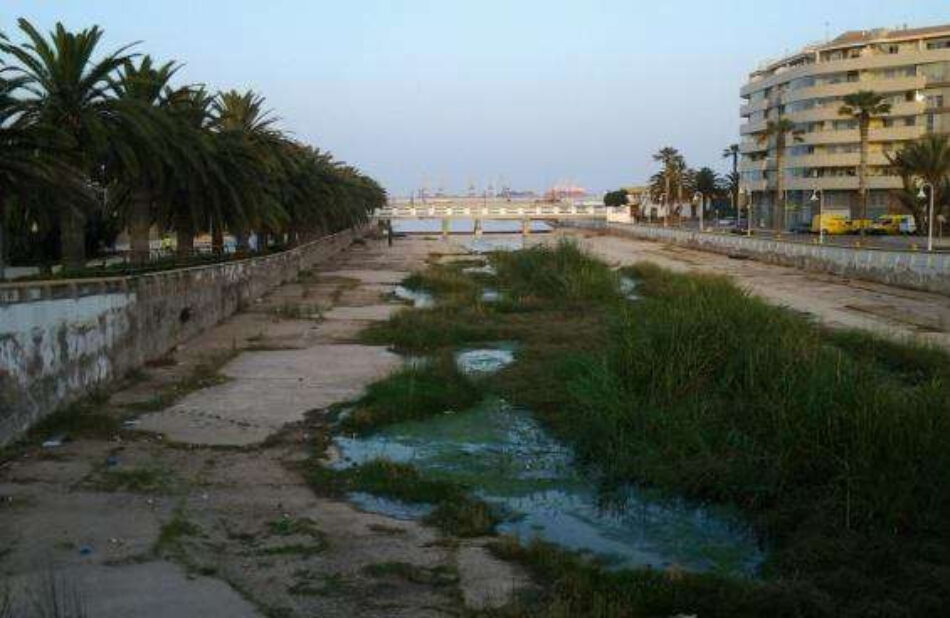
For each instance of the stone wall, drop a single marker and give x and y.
(61, 339)
(910, 269)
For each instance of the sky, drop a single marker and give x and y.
(443, 93)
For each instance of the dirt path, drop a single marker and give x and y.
(197, 506)
(835, 301)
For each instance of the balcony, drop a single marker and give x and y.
(752, 127)
(849, 159)
(830, 112)
(873, 61)
(851, 136)
(841, 183)
(884, 86)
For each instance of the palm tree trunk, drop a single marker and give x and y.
(140, 223)
(73, 238)
(217, 239)
(3, 247)
(184, 234)
(778, 204)
(666, 196)
(863, 170)
(242, 238)
(735, 175)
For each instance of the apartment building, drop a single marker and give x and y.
(910, 67)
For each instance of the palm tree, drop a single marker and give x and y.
(732, 152)
(32, 160)
(708, 183)
(864, 105)
(779, 132)
(145, 87)
(194, 193)
(69, 90)
(242, 118)
(673, 174)
(926, 159)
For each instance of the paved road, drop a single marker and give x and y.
(844, 240)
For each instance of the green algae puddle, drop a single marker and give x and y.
(511, 462)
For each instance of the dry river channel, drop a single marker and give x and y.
(196, 506)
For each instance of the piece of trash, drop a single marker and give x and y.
(85, 550)
(112, 460)
(130, 423)
(54, 442)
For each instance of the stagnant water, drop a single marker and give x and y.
(510, 461)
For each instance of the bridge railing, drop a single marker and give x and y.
(494, 210)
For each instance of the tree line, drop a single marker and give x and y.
(93, 143)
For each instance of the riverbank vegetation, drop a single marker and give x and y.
(454, 511)
(420, 390)
(99, 142)
(835, 445)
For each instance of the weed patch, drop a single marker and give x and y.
(145, 479)
(455, 512)
(414, 392)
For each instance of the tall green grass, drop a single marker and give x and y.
(561, 274)
(416, 391)
(838, 442)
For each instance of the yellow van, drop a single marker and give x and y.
(894, 224)
(830, 224)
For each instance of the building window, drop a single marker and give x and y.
(845, 125)
(939, 44)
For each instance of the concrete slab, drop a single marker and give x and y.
(369, 276)
(150, 590)
(269, 390)
(366, 313)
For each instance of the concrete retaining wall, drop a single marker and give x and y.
(61, 339)
(910, 269)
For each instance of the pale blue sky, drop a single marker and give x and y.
(451, 90)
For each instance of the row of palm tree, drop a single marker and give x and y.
(676, 184)
(86, 135)
(927, 159)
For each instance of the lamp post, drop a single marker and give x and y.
(818, 195)
(930, 213)
(702, 206)
(748, 214)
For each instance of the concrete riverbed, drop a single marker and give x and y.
(195, 504)
(195, 508)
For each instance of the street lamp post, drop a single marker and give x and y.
(748, 216)
(818, 195)
(702, 206)
(930, 214)
(747, 194)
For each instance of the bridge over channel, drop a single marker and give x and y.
(480, 209)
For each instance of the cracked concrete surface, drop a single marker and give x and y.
(184, 513)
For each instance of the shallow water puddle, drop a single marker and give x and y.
(484, 361)
(490, 296)
(418, 298)
(512, 462)
(628, 287)
(486, 269)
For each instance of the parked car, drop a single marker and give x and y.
(856, 225)
(894, 224)
(800, 228)
(830, 224)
